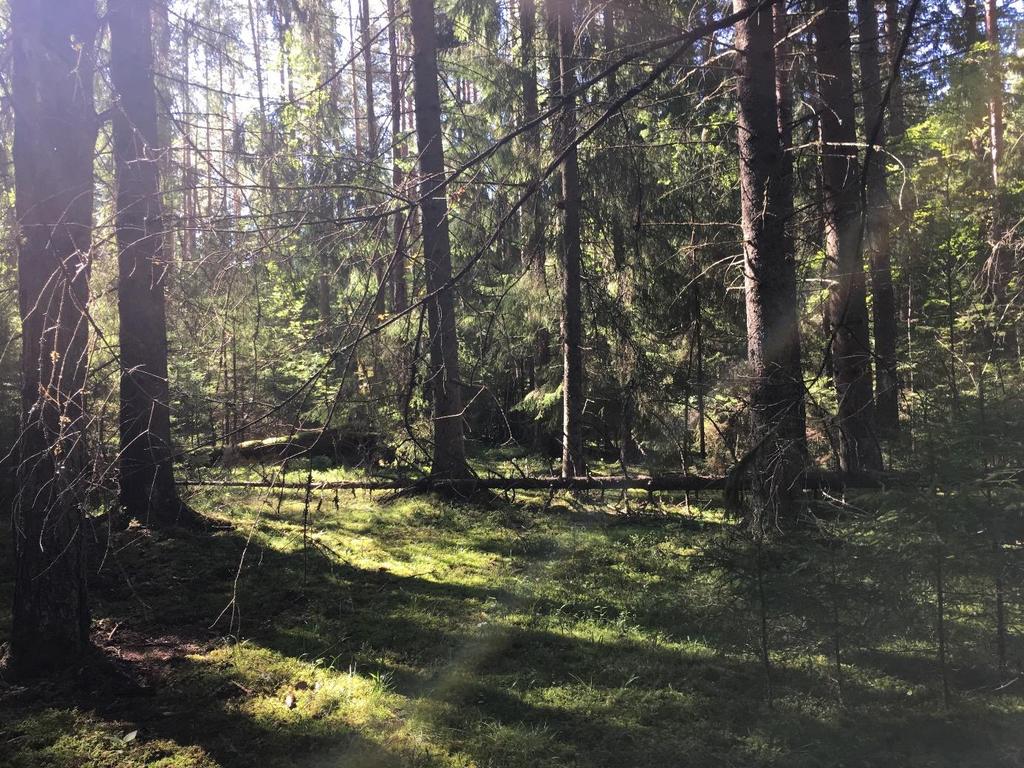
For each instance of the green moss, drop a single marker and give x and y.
(421, 633)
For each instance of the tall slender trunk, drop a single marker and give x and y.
(399, 295)
(449, 445)
(628, 449)
(188, 243)
(356, 118)
(840, 173)
(148, 493)
(257, 51)
(970, 18)
(773, 337)
(534, 215)
(877, 224)
(533, 253)
(897, 114)
(54, 145)
(572, 252)
(379, 263)
(1001, 261)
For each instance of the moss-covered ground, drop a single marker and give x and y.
(346, 630)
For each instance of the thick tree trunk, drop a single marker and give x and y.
(877, 224)
(572, 254)
(54, 143)
(449, 447)
(773, 340)
(399, 295)
(148, 493)
(840, 173)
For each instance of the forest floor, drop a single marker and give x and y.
(523, 632)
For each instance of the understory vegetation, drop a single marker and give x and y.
(343, 629)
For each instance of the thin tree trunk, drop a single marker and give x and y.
(572, 253)
(398, 277)
(1001, 261)
(449, 446)
(257, 50)
(148, 493)
(897, 115)
(379, 264)
(54, 145)
(877, 224)
(972, 36)
(534, 255)
(773, 337)
(534, 215)
(851, 351)
(356, 118)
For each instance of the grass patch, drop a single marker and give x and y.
(420, 633)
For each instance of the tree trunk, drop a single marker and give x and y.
(971, 34)
(533, 252)
(877, 224)
(54, 144)
(449, 447)
(398, 278)
(1000, 264)
(840, 173)
(534, 215)
(773, 337)
(897, 116)
(379, 264)
(356, 118)
(148, 493)
(572, 254)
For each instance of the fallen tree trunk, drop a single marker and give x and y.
(668, 482)
(349, 447)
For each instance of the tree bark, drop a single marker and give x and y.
(773, 337)
(148, 493)
(877, 224)
(449, 446)
(840, 172)
(572, 253)
(54, 144)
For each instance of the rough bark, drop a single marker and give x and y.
(840, 174)
(877, 223)
(773, 340)
(449, 447)
(571, 250)
(148, 493)
(54, 142)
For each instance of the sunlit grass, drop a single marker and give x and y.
(545, 632)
